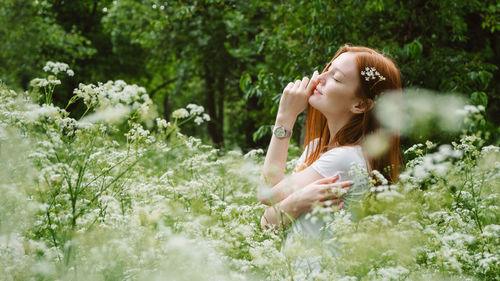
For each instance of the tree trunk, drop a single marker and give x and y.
(221, 87)
(214, 126)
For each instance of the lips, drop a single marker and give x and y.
(316, 91)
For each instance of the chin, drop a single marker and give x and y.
(313, 102)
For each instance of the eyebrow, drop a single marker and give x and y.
(335, 68)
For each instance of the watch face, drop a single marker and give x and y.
(279, 132)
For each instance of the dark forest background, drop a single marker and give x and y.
(235, 57)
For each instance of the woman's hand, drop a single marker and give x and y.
(325, 191)
(296, 95)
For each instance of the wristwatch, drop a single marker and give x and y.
(280, 131)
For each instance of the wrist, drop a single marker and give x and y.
(285, 120)
(292, 205)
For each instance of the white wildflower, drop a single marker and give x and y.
(180, 113)
(162, 123)
(195, 109)
(380, 178)
(56, 67)
(388, 273)
(254, 152)
(198, 120)
(42, 82)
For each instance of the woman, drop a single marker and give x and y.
(339, 104)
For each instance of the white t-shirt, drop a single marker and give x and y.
(338, 160)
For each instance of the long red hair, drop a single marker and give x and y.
(360, 125)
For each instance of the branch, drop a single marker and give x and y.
(161, 86)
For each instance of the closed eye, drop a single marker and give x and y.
(334, 77)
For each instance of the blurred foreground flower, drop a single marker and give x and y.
(420, 112)
(110, 115)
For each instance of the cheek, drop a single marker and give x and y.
(339, 100)
(337, 94)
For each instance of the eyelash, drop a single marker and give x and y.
(333, 73)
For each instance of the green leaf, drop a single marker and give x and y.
(415, 49)
(245, 81)
(261, 132)
(485, 77)
(479, 98)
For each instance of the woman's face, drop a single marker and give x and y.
(335, 94)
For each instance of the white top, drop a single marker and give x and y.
(338, 160)
(335, 161)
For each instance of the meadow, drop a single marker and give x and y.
(119, 193)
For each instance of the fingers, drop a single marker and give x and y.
(336, 190)
(304, 86)
(331, 201)
(303, 83)
(296, 85)
(341, 184)
(314, 81)
(327, 180)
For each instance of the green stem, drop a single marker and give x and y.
(71, 101)
(88, 108)
(186, 120)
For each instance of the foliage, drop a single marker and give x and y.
(440, 38)
(30, 36)
(235, 57)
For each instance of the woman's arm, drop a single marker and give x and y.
(287, 186)
(275, 162)
(281, 214)
(293, 101)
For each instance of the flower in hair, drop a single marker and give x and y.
(371, 73)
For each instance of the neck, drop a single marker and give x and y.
(335, 123)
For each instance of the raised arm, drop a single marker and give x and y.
(275, 162)
(293, 101)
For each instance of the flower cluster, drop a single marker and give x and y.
(47, 85)
(470, 109)
(420, 111)
(371, 73)
(180, 113)
(112, 93)
(162, 123)
(192, 111)
(57, 67)
(44, 82)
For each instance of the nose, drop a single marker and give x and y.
(321, 78)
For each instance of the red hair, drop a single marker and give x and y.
(360, 125)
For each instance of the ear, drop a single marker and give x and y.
(362, 106)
